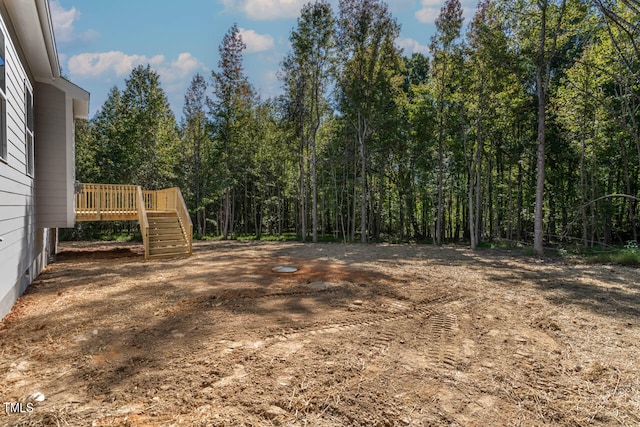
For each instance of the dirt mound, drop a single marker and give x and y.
(98, 251)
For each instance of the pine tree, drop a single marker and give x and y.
(149, 130)
(229, 108)
(196, 150)
(113, 153)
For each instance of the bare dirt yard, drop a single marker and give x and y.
(360, 335)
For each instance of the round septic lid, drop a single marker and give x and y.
(284, 269)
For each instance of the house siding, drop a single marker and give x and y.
(55, 157)
(24, 247)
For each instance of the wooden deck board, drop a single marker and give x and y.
(107, 215)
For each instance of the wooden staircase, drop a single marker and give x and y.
(165, 224)
(166, 236)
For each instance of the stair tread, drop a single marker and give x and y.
(166, 236)
(158, 251)
(166, 244)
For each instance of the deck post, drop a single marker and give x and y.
(100, 195)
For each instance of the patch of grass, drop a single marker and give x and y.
(623, 257)
(496, 245)
(284, 237)
(207, 238)
(629, 254)
(499, 244)
(125, 237)
(111, 231)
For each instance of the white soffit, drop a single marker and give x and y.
(32, 22)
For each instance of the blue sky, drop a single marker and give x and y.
(100, 42)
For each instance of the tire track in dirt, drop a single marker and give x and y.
(404, 311)
(397, 312)
(256, 294)
(441, 330)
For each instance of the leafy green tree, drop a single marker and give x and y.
(488, 79)
(415, 156)
(113, 153)
(538, 105)
(230, 108)
(306, 75)
(87, 169)
(149, 130)
(368, 62)
(446, 61)
(197, 150)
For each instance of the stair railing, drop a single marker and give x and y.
(143, 221)
(170, 199)
(185, 218)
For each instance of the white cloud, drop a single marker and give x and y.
(119, 64)
(108, 63)
(431, 10)
(182, 67)
(266, 10)
(256, 42)
(410, 45)
(63, 24)
(400, 6)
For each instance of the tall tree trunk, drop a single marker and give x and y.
(226, 213)
(627, 181)
(543, 78)
(440, 208)
(314, 159)
(475, 174)
(314, 191)
(355, 199)
(303, 198)
(538, 233)
(519, 203)
(583, 190)
(362, 130)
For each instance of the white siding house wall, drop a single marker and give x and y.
(24, 247)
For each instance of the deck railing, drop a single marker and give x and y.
(150, 199)
(106, 202)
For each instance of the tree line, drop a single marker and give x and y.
(524, 127)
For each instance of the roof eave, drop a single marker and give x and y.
(44, 13)
(34, 29)
(80, 97)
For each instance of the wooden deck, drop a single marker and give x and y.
(112, 202)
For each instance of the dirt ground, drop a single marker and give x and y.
(360, 335)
